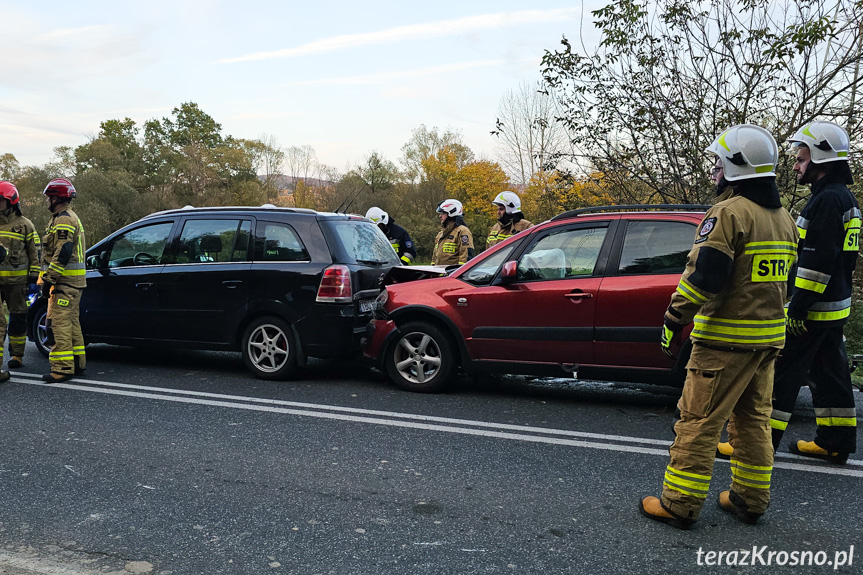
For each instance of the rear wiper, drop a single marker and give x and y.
(371, 262)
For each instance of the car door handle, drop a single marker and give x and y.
(578, 295)
(144, 285)
(232, 284)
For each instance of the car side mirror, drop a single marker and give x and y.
(509, 273)
(98, 261)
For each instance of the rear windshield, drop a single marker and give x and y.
(360, 242)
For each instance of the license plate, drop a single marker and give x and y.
(367, 305)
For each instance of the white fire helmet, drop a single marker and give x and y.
(378, 216)
(827, 142)
(452, 208)
(746, 152)
(508, 200)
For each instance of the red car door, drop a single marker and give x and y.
(547, 314)
(637, 290)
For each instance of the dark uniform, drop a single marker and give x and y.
(829, 228)
(734, 289)
(401, 241)
(453, 244)
(19, 238)
(499, 232)
(63, 264)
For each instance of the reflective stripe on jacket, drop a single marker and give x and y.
(19, 237)
(829, 228)
(736, 275)
(63, 251)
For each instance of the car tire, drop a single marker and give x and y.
(269, 349)
(39, 329)
(421, 358)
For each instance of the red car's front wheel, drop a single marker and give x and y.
(421, 358)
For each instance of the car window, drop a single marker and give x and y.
(281, 244)
(205, 241)
(483, 272)
(653, 247)
(144, 246)
(362, 242)
(563, 254)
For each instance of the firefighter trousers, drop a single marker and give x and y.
(817, 358)
(64, 330)
(722, 385)
(15, 298)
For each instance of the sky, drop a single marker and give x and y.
(346, 78)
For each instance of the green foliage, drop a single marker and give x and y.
(668, 76)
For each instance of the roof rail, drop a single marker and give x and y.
(633, 208)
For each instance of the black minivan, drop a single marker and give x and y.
(278, 284)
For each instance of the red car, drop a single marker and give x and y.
(583, 293)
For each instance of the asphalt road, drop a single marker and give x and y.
(180, 463)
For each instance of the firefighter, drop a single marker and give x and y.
(734, 288)
(510, 220)
(20, 244)
(63, 280)
(453, 245)
(397, 235)
(820, 304)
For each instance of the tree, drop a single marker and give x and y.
(300, 162)
(475, 185)
(425, 143)
(667, 76)
(529, 137)
(10, 169)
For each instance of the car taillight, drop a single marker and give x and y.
(336, 285)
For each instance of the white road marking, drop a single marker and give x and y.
(414, 421)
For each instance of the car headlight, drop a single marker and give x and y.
(382, 299)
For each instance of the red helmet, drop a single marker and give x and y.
(61, 188)
(9, 192)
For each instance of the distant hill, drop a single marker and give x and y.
(289, 183)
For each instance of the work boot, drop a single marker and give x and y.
(724, 450)
(652, 507)
(734, 504)
(5, 376)
(812, 449)
(56, 377)
(15, 362)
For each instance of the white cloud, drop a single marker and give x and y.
(65, 33)
(412, 32)
(383, 77)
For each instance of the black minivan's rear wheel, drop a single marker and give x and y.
(39, 329)
(268, 348)
(421, 359)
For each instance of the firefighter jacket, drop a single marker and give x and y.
(829, 227)
(401, 242)
(63, 249)
(453, 245)
(735, 280)
(500, 232)
(19, 237)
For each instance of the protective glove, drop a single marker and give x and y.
(666, 338)
(795, 327)
(46, 290)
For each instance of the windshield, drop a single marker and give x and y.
(360, 242)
